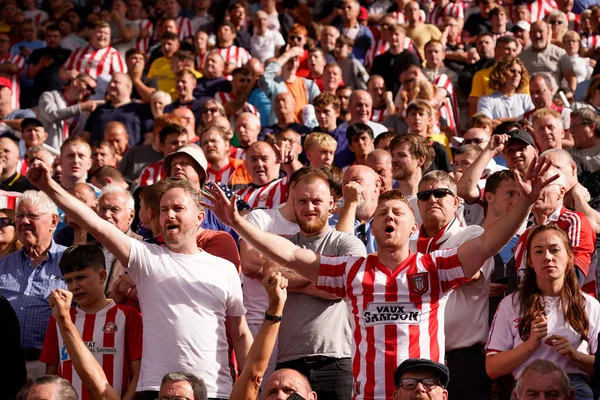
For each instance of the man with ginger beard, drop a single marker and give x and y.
(321, 328)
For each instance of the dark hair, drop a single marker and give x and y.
(383, 136)
(230, 25)
(81, 256)
(65, 391)
(494, 181)
(325, 98)
(169, 36)
(467, 149)
(171, 129)
(53, 28)
(104, 143)
(357, 129)
(152, 194)
(588, 117)
(133, 52)
(531, 299)
(419, 147)
(244, 71)
(506, 127)
(197, 384)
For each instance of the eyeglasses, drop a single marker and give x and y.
(411, 383)
(88, 87)
(295, 37)
(473, 141)
(6, 221)
(555, 22)
(437, 193)
(30, 216)
(578, 125)
(210, 110)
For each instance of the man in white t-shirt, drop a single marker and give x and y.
(265, 43)
(187, 295)
(397, 298)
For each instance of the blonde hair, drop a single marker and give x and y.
(320, 139)
(548, 112)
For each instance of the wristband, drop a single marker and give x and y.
(274, 318)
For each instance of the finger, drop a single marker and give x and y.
(546, 182)
(284, 283)
(532, 166)
(234, 203)
(210, 206)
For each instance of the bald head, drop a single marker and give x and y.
(380, 161)
(476, 136)
(188, 119)
(282, 381)
(247, 127)
(361, 106)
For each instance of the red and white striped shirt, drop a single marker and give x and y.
(396, 314)
(267, 196)
(590, 42)
(235, 55)
(582, 237)
(199, 59)
(96, 62)
(226, 97)
(399, 15)
(114, 337)
(237, 153)
(378, 115)
(450, 105)
(153, 173)
(14, 78)
(143, 44)
(540, 8)
(9, 199)
(184, 25)
(439, 14)
(573, 21)
(381, 46)
(223, 175)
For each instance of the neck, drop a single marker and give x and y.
(396, 49)
(324, 229)
(414, 24)
(392, 258)
(185, 98)
(541, 215)
(186, 248)
(68, 183)
(226, 44)
(120, 102)
(155, 227)
(38, 252)
(594, 141)
(410, 185)
(97, 305)
(6, 174)
(508, 91)
(288, 77)
(286, 120)
(361, 159)
(329, 128)
(350, 23)
(220, 163)
(432, 228)
(287, 211)
(156, 145)
(551, 288)
(5, 109)
(70, 95)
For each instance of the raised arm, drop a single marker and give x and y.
(83, 360)
(275, 247)
(475, 252)
(352, 193)
(109, 235)
(467, 186)
(257, 361)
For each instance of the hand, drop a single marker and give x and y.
(530, 185)
(285, 153)
(73, 73)
(224, 209)
(136, 71)
(295, 52)
(580, 193)
(352, 192)
(40, 175)
(496, 144)
(276, 287)
(46, 61)
(539, 329)
(562, 346)
(60, 300)
(124, 285)
(389, 97)
(496, 289)
(24, 51)
(115, 16)
(89, 106)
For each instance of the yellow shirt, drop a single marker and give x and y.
(423, 34)
(165, 78)
(481, 81)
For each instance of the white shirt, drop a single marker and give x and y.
(263, 46)
(497, 105)
(504, 332)
(184, 300)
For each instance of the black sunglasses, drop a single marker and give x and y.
(437, 193)
(6, 221)
(294, 37)
(88, 87)
(473, 141)
(555, 22)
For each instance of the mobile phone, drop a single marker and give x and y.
(502, 280)
(295, 396)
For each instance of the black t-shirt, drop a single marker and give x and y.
(150, 82)
(476, 24)
(441, 160)
(390, 66)
(136, 117)
(48, 79)
(17, 183)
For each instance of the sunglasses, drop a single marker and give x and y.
(555, 22)
(6, 221)
(210, 110)
(437, 193)
(473, 141)
(294, 37)
(88, 87)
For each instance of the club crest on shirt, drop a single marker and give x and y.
(419, 283)
(110, 327)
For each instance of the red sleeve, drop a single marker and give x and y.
(134, 333)
(71, 60)
(584, 248)
(50, 351)
(219, 244)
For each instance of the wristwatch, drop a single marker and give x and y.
(274, 318)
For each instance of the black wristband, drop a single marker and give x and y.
(274, 318)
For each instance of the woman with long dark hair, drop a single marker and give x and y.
(549, 317)
(8, 238)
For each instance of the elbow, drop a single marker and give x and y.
(490, 368)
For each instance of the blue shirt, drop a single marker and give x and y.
(261, 101)
(343, 156)
(365, 233)
(27, 289)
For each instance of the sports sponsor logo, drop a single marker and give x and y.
(391, 313)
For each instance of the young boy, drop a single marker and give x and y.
(327, 109)
(320, 149)
(112, 332)
(171, 137)
(354, 73)
(420, 121)
(360, 141)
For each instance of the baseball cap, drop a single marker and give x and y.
(522, 25)
(5, 82)
(521, 135)
(440, 370)
(195, 152)
(31, 121)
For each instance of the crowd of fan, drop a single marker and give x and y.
(299, 199)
